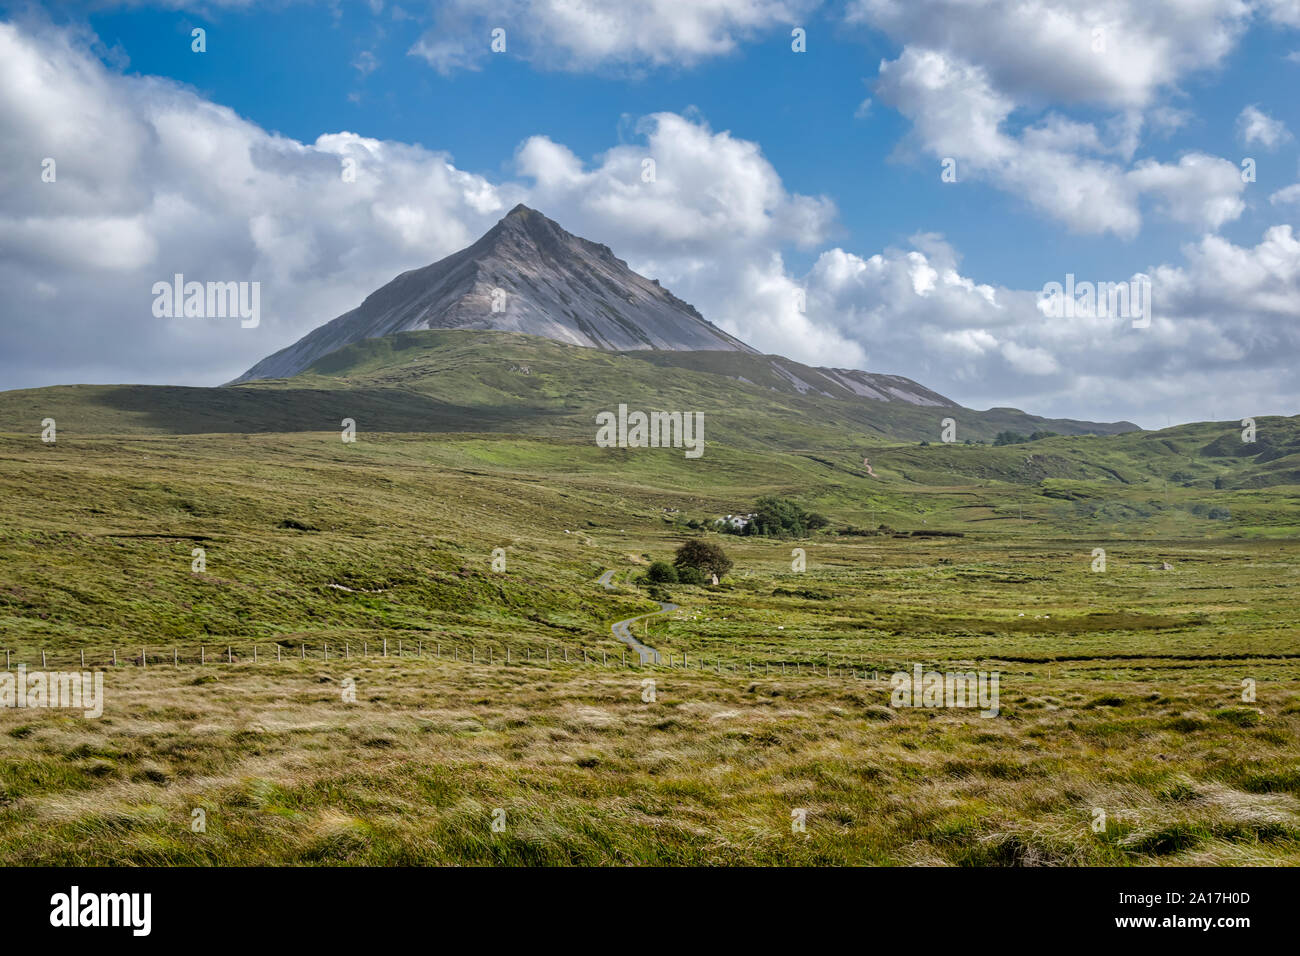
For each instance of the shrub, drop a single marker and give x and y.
(690, 575)
(661, 572)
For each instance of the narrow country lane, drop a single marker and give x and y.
(622, 630)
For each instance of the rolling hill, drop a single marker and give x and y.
(467, 381)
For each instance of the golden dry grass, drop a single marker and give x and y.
(587, 772)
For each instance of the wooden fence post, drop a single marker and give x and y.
(115, 657)
(203, 654)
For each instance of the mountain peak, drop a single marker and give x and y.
(523, 221)
(520, 218)
(525, 274)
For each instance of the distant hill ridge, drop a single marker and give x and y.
(453, 380)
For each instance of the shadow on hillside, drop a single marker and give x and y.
(184, 410)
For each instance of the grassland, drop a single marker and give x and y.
(586, 772)
(1121, 690)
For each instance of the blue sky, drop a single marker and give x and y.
(1104, 163)
(288, 68)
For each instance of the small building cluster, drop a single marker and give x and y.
(738, 522)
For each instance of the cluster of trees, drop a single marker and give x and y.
(854, 530)
(780, 518)
(1015, 438)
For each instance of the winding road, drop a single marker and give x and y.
(622, 630)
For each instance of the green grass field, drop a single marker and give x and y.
(1123, 736)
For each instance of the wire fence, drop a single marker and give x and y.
(146, 656)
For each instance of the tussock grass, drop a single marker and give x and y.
(1121, 691)
(587, 772)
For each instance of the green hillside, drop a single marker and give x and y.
(439, 381)
(492, 383)
(1121, 686)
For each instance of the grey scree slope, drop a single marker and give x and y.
(557, 285)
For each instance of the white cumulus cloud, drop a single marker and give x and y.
(1059, 166)
(1255, 127)
(594, 34)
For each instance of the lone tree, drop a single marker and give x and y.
(704, 556)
